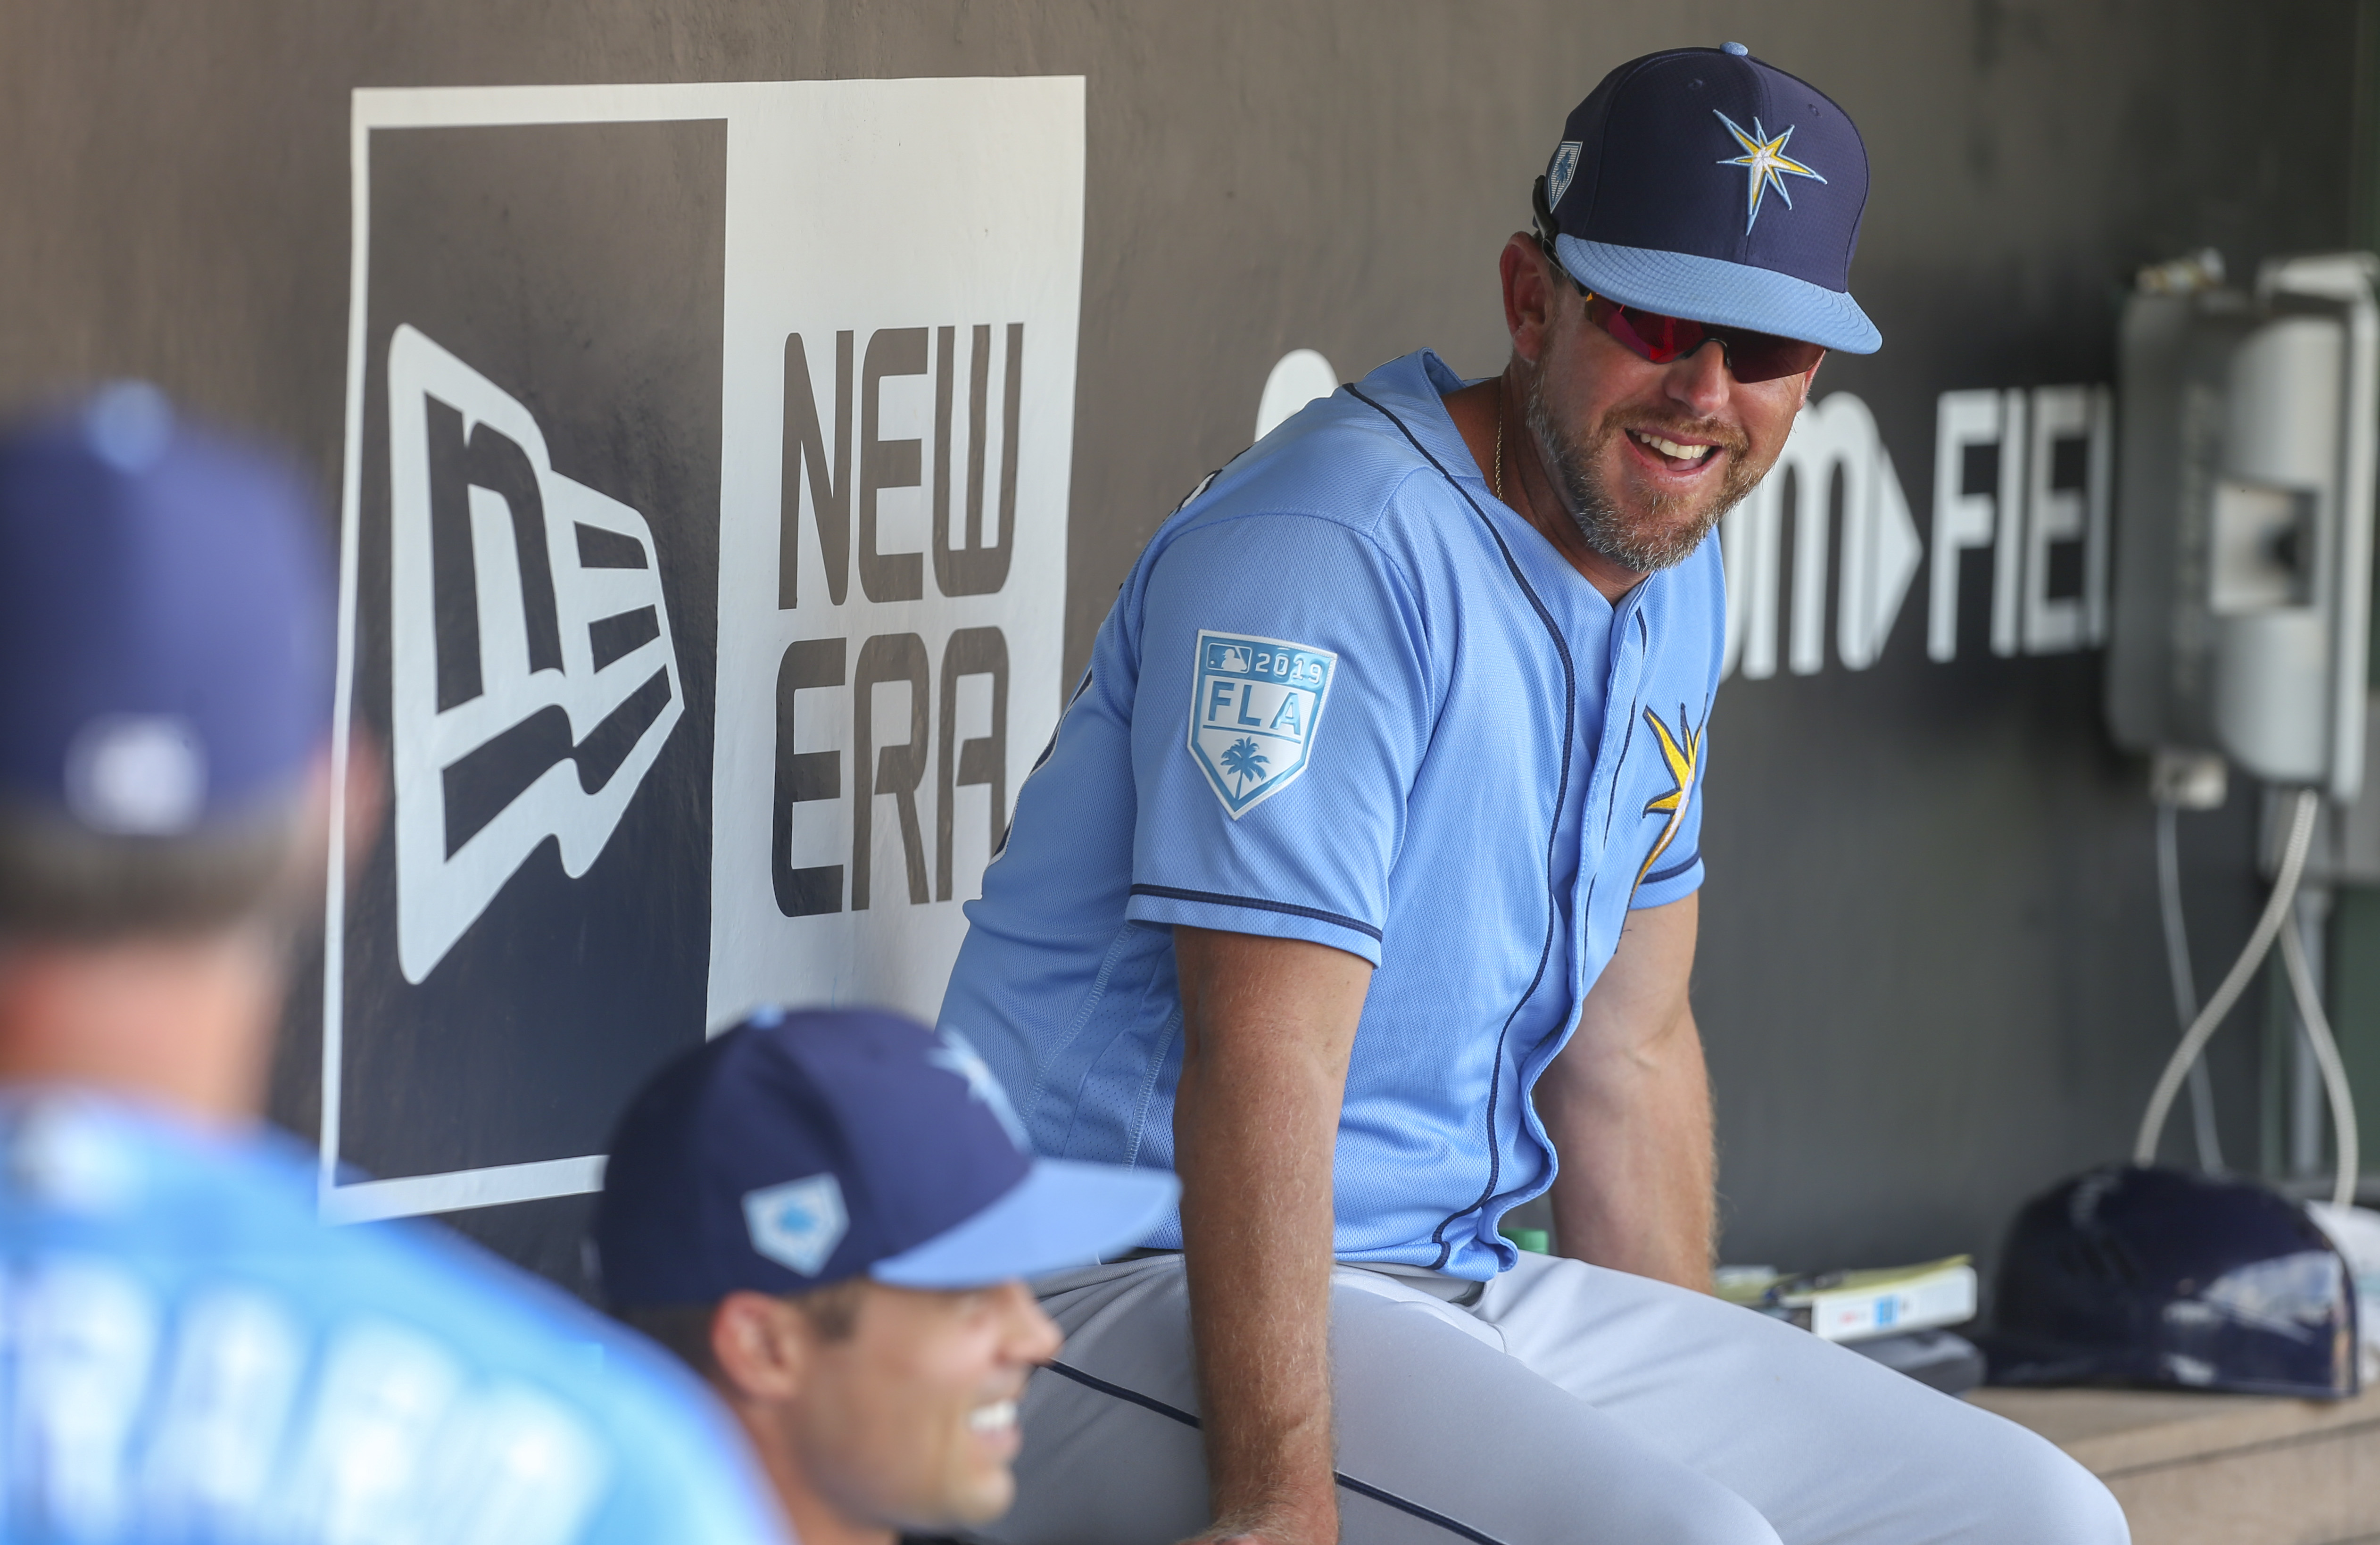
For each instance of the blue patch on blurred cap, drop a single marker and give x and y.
(142, 775)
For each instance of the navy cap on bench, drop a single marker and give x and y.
(798, 1150)
(1701, 183)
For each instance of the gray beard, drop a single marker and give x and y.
(1664, 535)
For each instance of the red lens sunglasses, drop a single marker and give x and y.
(1750, 355)
(1650, 335)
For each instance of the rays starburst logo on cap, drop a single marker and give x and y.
(1763, 156)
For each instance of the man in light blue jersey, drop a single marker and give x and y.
(1358, 887)
(191, 1356)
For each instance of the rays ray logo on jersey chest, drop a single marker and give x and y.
(1682, 754)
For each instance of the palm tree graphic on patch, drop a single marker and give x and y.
(1244, 762)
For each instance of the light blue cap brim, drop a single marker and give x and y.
(1722, 293)
(1064, 1213)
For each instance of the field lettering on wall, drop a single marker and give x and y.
(702, 573)
(2022, 475)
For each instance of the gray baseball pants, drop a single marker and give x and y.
(1562, 1402)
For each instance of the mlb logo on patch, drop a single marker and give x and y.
(1255, 704)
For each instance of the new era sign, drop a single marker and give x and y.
(704, 552)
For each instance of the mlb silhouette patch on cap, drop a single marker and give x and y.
(799, 1223)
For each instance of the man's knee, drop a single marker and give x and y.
(2081, 1510)
(1736, 1527)
(2036, 1493)
(1725, 1519)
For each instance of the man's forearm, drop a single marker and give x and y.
(1257, 1229)
(1256, 1120)
(1634, 1191)
(1628, 1107)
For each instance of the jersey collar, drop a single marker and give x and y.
(1414, 388)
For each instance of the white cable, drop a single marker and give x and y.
(2176, 1066)
(2185, 985)
(2334, 1071)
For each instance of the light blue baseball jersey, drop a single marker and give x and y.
(190, 1357)
(1348, 696)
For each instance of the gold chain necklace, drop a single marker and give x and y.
(1500, 442)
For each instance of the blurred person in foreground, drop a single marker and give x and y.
(828, 1214)
(193, 1356)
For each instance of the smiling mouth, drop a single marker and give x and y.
(1000, 1415)
(1676, 455)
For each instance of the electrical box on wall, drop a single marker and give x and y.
(2242, 596)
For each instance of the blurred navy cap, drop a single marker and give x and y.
(796, 1150)
(1701, 183)
(164, 618)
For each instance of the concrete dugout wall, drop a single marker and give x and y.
(1930, 979)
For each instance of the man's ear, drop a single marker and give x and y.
(298, 889)
(1529, 296)
(764, 1346)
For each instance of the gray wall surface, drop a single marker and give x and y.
(1930, 979)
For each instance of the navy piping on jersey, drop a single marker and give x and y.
(1643, 641)
(1553, 832)
(1362, 1488)
(1627, 744)
(1672, 871)
(1050, 744)
(1288, 909)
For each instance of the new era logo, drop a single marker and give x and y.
(534, 678)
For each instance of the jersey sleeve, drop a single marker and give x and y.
(1281, 706)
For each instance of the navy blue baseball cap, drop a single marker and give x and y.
(165, 619)
(796, 1151)
(1701, 183)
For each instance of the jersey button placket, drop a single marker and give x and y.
(1622, 705)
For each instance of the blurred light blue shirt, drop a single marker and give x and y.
(193, 1357)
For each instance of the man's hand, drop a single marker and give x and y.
(1267, 1025)
(1628, 1107)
